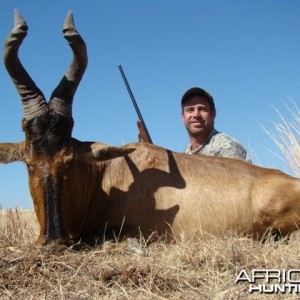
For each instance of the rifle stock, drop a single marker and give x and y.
(144, 134)
(143, 137)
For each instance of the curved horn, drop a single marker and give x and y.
(62, 96)
(32, 98)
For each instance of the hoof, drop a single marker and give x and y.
(55, 246)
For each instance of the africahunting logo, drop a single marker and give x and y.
(271, 281)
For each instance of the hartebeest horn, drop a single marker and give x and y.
(62, 96)
(32, 98)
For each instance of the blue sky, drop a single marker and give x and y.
(245, 53)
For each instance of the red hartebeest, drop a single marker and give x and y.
(85, 188)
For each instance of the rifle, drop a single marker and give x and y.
(144, 135)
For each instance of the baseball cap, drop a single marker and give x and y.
(196, 91)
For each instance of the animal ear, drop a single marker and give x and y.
(110, 152)
(11, 152)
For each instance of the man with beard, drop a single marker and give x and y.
(198, 115)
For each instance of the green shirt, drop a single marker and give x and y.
(220, 144)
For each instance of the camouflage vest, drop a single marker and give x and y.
(220, 144)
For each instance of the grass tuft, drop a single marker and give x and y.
(286, 135)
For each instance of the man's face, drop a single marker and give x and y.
(197, 117)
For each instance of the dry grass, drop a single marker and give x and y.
(287, 136)
(183, 270)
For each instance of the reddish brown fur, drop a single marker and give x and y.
(153, 189)
(81, 189)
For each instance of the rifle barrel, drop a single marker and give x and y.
(134, 103)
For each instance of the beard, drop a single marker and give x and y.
(203, 131)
